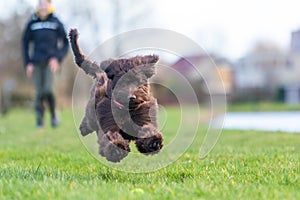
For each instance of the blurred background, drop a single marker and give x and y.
(255, 45)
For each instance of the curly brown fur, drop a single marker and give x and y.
(89, 123)
(121, 108)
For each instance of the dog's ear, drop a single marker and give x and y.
(150, 65)
(151, 59)
(108, 67)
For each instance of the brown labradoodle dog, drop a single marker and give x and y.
(121, 108)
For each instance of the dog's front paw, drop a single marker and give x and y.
(150, 145)
(113, 147)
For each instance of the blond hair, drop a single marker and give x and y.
(49, 1)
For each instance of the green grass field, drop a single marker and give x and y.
(53, 164)
(262, 106)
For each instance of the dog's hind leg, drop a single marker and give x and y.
(88, 125)
(113, 146)
(84, 129)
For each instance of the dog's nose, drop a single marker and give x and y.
(132, 97)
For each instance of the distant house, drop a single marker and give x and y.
(295, 41)
(261, 68)
(291, 94)
(292, 84)
(215, 72)
(225, 71)
(260, 73)
(207, 74)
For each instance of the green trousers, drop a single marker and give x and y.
(43, 84)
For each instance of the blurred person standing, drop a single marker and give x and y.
(44, 44)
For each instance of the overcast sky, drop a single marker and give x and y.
(232, 26)
(228, 27)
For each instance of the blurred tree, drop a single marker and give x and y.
(12, 73)
(10, 43)
(128, 15)
(99, 20)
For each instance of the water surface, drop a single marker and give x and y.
(266, 121)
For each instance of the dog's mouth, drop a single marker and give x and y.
(130, 98)
(135, 104)
(132, 104)
(118, 104)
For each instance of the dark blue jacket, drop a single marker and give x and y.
(48, 38)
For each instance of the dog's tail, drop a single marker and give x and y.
(90, 68)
